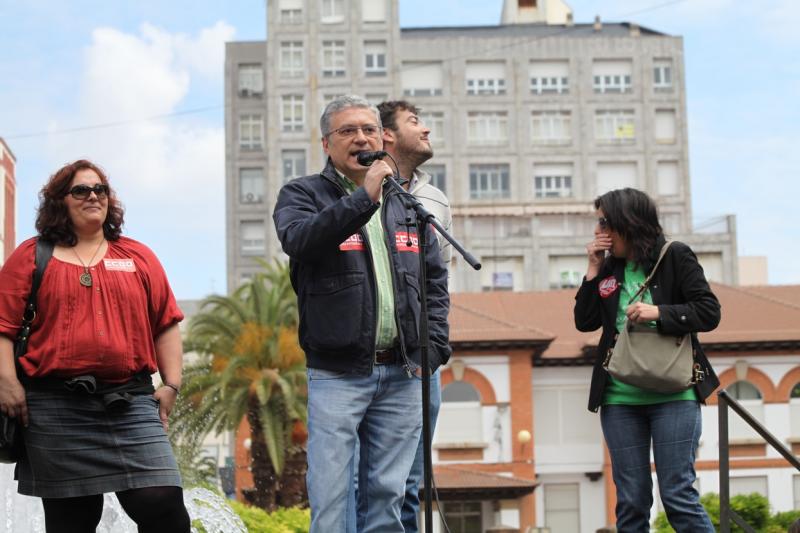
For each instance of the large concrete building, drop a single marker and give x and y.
(531, 119)
(8, 185)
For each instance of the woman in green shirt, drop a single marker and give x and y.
(627, 241)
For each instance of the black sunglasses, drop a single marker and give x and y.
(602, 222)
(82, 192)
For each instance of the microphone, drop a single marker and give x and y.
(367, 158)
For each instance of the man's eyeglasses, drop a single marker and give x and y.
(346, 132)
(602, 222)
(82, 192)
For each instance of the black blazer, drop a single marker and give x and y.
(685, 304)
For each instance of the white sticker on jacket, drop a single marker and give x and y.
(120, 265)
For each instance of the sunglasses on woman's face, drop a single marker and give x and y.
(82, 192)
(602, 222)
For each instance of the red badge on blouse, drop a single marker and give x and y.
(608, 286)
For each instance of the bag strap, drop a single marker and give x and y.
(652, 272)
(44, 251)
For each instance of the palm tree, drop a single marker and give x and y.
(250, 366)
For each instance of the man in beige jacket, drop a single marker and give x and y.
(405, 138)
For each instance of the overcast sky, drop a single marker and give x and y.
(116, 65)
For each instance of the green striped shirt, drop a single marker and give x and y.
(386, 327)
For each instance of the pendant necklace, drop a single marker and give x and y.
(86, 277)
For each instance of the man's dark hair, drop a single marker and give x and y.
(388, 111)
(634, 216)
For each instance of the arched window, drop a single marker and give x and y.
(460, 417)
(460, 391)
(750, 397)
(794, 411)
(743, 390)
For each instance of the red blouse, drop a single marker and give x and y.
(106, 330)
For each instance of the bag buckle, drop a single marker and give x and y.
(699, 375)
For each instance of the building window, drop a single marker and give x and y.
(462, 517)
(251, 132)
(376, 98)
(549, 77)
(488, 182)
(375, 58)
(551, 127)
(614, 125)
(293, 111)
(616, 175)
(487, 128)
(665, 126)
(552, 181)
(251, 79)
(291, 11)
(292, 62)
(251, 185)
(668, 178)
(294, 164)
(332, 11)
(662, 75)
(437, 174)
(796, 484)
(333, 59)
(486, 78)
(748, 484)
(422, 78)
(502, 273)
(461, 423)
(434, 121)
(373, 10)
(253, 237)
(562, 506)
(612, 76)
(750, 397)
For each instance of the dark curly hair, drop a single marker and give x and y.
(389, 111)
(634, 216)
(52, 218)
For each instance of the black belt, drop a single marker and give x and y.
(386, 357)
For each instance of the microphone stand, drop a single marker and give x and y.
(425, 217)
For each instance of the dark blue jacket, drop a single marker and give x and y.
(321, 229)
(685, 304)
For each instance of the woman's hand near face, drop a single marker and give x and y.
(596, 251)
(642, 312)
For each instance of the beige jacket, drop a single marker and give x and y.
(436, 202)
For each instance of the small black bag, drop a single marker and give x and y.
(10, 434)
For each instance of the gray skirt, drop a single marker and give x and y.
(75, 446)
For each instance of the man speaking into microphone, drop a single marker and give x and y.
(354, 259)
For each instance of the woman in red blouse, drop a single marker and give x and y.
(107, 320)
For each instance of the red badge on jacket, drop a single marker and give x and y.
(608, 286)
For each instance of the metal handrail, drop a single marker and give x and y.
(726, 514)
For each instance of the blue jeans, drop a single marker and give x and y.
(674, 429)
(411, 503)
(382, 411)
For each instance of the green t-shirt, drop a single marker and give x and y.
(618, 393)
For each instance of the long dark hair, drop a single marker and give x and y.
(633, 215)
(52, 219)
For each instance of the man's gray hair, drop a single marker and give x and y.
(341, 103)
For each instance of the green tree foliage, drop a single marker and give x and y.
(250, 365)
(285, 520)
(753, 508)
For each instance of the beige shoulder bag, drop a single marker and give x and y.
(648, 359)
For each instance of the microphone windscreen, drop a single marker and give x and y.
(367, 158)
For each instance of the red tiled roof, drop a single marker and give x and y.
(462, 477)
(749, 315)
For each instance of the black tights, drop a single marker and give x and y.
(154, 509)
